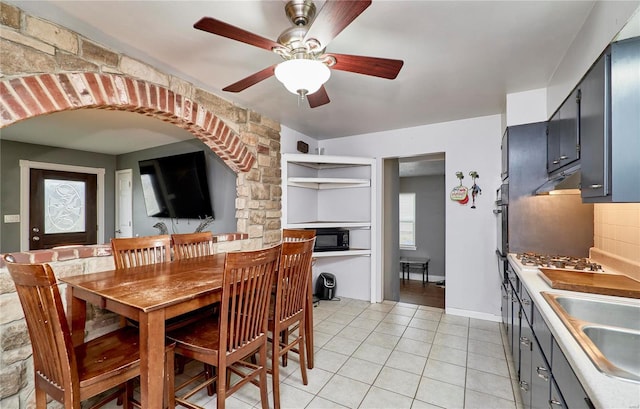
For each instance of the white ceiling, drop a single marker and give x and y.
(461, 59)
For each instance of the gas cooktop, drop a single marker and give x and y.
(536, 260)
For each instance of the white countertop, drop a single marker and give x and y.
(603, 390)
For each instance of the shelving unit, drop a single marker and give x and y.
(323, 191)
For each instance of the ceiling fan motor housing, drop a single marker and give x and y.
(300, 12)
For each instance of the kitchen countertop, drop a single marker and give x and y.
(603, 390)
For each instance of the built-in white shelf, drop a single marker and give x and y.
(342, 253)
(325, 191)
(327, 183)
(321, 225)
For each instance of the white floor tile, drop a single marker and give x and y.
(372, 353)
(440, 393)
(398, 381)
(345, 391)
(360, 370)
(380, 398)
(445, 372)
(406, 362)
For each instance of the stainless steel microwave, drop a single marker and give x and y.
(332, 239)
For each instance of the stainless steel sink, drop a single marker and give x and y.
(601, 312)
(609, 332)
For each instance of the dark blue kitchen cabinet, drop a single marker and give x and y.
(563, 135)
(610, 126)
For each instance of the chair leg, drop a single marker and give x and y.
(127, 396)
(210, 372)
(41, 399)
(264, 397)
(301, 351)
(275, 371)
(221, 389)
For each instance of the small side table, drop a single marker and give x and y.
(421, 262)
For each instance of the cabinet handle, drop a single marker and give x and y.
(524, 386)
(555, 161)
(525, 301)
(543, 373)
(564, 157)
(554, 402)
(525, 341)
(595, 186)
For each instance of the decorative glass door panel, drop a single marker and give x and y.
(62, 208)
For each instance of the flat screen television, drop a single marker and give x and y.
(176, 186)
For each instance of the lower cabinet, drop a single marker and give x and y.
(545, 377)
(571, 390)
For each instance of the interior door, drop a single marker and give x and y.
(62, 208)
(124, 203)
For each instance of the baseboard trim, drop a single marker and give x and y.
(473, 314)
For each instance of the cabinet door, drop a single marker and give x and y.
(526, 341)
(505, 154)
(540, 378)
(570, 388)
(554, 130)
(595, 136)
(504, 292)
(570, 129)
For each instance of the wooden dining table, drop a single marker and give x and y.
(150, 295)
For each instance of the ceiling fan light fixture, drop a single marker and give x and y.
(302, 76)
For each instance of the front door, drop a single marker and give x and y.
(62, 208)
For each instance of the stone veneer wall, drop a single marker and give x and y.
(16, 365)
(46, 68)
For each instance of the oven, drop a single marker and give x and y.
(502, 228)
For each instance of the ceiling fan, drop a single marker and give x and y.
(306, 65)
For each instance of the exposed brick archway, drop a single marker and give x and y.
(30, 96)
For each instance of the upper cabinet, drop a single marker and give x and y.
(610, 126)
(563, 134)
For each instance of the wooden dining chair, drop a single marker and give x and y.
(299, 235)
(140, 251)
(288, 310)
(189, 245)
(71, 374)
(238, 331)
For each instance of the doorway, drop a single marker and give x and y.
(421, 180)
(93, 227)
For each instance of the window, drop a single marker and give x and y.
(407, 221)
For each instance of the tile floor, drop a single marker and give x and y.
(393, 355)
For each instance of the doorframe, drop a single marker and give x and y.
(25, 168)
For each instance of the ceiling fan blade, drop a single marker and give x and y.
(223, 29)
(334, 16)
(318, 98)
(377, 67)
(252, 79)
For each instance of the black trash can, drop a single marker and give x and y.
(326, 286)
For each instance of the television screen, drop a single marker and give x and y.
(176, 186)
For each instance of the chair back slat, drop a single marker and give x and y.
(246, 291)
(293, 278)
(54, 358)
(189, 245)
(140, 251)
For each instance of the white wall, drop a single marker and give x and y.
(527, 107)
(289, 139)
(473, 284)
(603, 23)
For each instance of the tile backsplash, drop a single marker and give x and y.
(617, 229)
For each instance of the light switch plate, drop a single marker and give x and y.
(12, 218)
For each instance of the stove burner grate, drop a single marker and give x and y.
(558, 261)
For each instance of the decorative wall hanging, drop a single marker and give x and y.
(460, 193)
(475, 189)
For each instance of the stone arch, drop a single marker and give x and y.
(30, 96)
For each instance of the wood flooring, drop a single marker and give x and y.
(413, 292)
